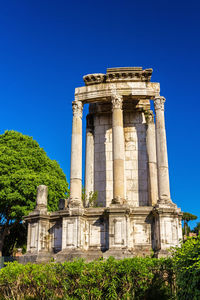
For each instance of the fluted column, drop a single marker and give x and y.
(118, 149)
(161, 147)
(76, 155)
(89, 159)
(151, 154)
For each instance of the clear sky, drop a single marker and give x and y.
(47, 46)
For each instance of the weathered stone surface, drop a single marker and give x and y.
(41, 200)
(89, 160)
(76, 156)
(126, 163)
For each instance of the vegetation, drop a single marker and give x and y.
(186, 218)
(177, 277)
(24, 166)
(197, 228)
(91, 200)
(186, 265)
(93, 197)
(136, 278)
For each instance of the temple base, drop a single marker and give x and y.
(90, 233)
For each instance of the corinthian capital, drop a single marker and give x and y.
(116, 99)
(149, 116)
(159, 103)
(77, 107)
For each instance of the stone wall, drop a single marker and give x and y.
(103, 165)
(135, 159)
(136, 179)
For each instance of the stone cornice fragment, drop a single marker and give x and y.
(119, 75)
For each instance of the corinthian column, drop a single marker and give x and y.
(89, 159)
(162, 159)
(152, 163)
(118, 149)
(76, 155)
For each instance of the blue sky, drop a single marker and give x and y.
(47, 46)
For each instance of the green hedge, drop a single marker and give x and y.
(147, 278)
(133, 278)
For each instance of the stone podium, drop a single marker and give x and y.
(127, 208)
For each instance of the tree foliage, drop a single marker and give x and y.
(197, 228)
(186, 218)
(186, 261)
(24, 166)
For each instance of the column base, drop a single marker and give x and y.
(75, 202)
(118, 201)
(165, 203)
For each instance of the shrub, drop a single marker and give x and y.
(131, 278)
(187, 269)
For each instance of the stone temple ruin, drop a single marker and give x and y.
(126, 167)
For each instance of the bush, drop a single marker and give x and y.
(187, 269)
(132, 278)
(136, 278)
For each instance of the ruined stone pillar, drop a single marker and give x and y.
(151, 154)
(161, 147)
(41, 199)
(76, 156)
(89, 159)
(118, 149)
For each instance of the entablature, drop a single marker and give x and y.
(102, 92)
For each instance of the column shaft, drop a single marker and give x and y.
(161, 146)
(89, 160)
(152, 163)
(76, 155)
(118, 149)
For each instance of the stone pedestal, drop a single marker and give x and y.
(38, 238)
(167, 230)
(71, 229)
(118, 235)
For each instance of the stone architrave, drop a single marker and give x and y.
(118, 148)
(76, 156)
(162, 158)
(89, 160)
(152, 162)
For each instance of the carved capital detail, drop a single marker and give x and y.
(149, 116)
(116, 100)
(77, 107)
(159, 103)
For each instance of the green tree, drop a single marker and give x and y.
(24, 166)
(186, 218)
(197, 228)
